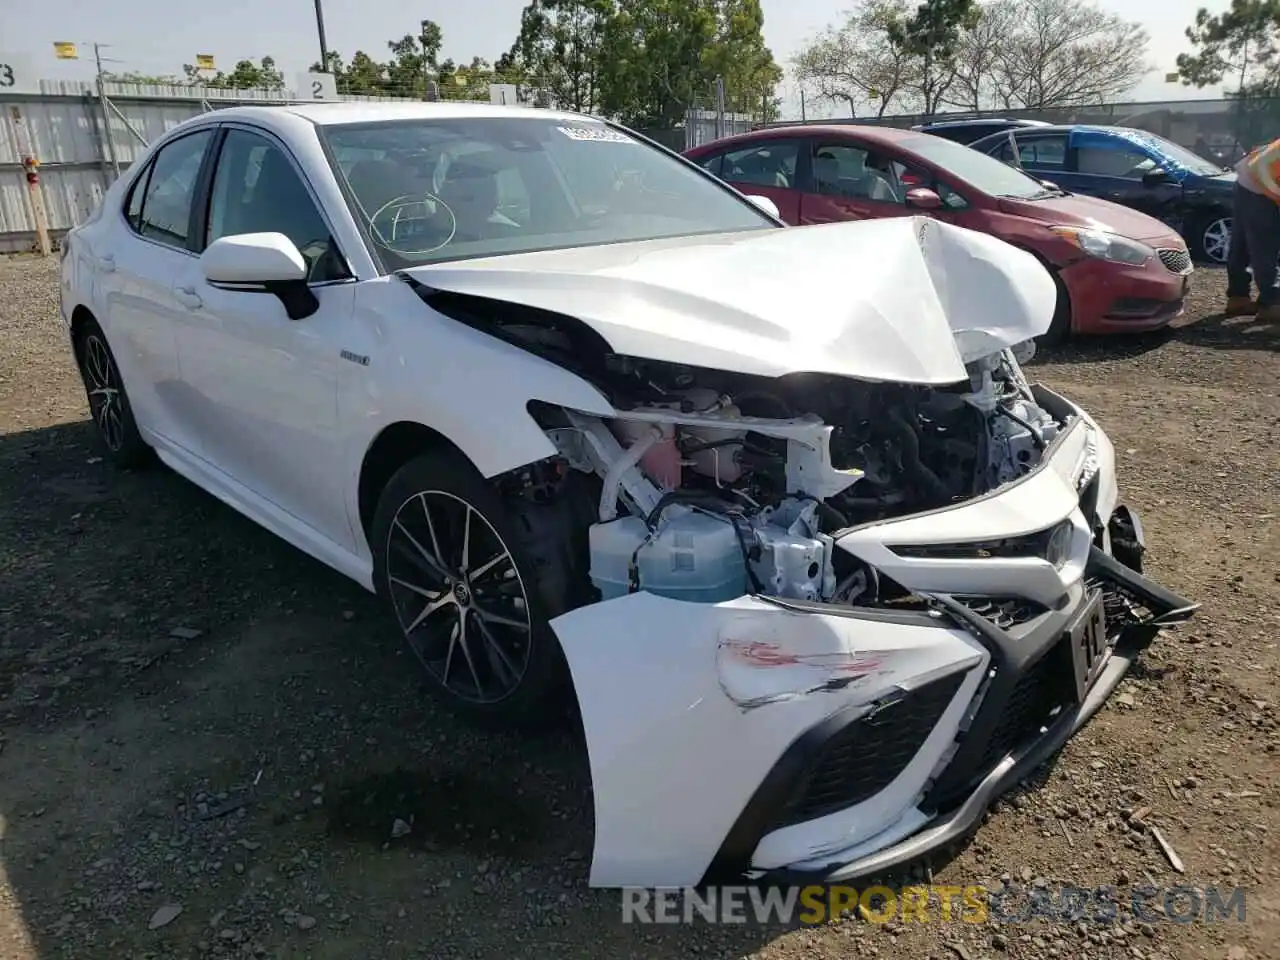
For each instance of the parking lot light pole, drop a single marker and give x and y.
(324, 50)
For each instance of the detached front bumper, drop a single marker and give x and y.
(1007, 739)
(767, 737)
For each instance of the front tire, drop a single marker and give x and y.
(1209, 238)
(108, 401)
(464, 595)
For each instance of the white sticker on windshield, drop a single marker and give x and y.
(598, 134)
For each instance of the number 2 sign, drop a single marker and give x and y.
(17, 74)
(316, 86)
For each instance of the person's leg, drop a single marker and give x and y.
(1264, 255)
(1263, 228)
(1239, 303)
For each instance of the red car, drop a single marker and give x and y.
(1117, 270)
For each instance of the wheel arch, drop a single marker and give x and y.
(81, 317)
(394, 446)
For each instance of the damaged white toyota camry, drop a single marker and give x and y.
(775, 507)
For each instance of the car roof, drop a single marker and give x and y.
(868, 132)
(1065, 128)
(289, 115)
(979, 121)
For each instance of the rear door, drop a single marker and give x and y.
(765, 168)
(850, 180)
(154, 243)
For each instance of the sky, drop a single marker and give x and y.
(159, 36)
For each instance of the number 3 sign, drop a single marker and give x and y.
(316, 86)
(17, 74)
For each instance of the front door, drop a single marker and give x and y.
(851, 182)
(1115, 170)
(265, 386)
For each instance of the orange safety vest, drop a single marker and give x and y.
(1264, 163)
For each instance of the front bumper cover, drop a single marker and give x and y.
(970, 784)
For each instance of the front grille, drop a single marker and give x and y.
(1174, 260)
(868, 754)
(1005, 614)
(1046, 685)
(1124, 609)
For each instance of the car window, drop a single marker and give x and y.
(165, 215)
(431, 190)
(982, 172)
(909, 177)
(950, 198)
(768, 164)
(257, 189)
(711, 164)
(133, 210)
(1116, 160)
(845, 170)
(1043, 152)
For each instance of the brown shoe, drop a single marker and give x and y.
(1240, 307)
(1269, 314)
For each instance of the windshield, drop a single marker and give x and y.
(1167, 151)
(432, 190)
(985, 173)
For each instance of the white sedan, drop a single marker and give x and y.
(776, 509)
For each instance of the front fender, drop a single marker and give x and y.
(472, 388)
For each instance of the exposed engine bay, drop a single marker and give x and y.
(713, 484)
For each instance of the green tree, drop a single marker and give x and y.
(657, 60)
(247, 75)
(739, 56)
(1240, 46)
(930, 37)
(560, 50)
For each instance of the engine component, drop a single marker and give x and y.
(793, 560)
(661, 459)
(690, 555)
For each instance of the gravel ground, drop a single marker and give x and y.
(206, 737)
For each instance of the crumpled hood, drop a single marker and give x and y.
(908, 299)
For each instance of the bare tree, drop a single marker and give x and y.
(977, 53)
(1065, 52)
(858, 62)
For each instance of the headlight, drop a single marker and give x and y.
(1058, 549)
(1106, 246)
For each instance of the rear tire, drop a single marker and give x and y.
(448, 562)
(108, 401)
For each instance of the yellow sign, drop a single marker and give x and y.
(65, 50)
(204, 61)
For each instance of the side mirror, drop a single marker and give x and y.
(268, 262)
(923, 198)
(767, 205)
(1156, 177)
(1049, 185)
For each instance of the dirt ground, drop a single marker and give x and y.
(194, 715)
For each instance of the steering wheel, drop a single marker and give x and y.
(412, 226)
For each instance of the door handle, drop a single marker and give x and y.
(188, 297)
(107, 264)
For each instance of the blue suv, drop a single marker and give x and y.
(1131, 167)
